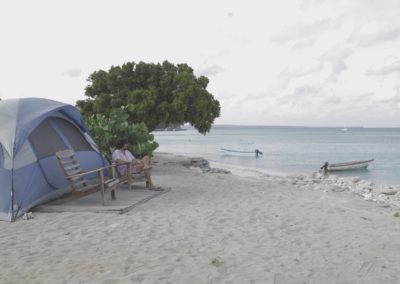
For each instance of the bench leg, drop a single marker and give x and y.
(102, 187)
(102, 197)
(113, 194)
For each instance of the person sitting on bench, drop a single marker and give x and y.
(123, 155)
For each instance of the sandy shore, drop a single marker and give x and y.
(215, 228)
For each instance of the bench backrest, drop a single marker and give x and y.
(70, 166)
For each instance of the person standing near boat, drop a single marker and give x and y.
(324, 168)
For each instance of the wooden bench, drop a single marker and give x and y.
(130, 178)
(78, 178)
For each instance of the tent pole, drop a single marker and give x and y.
(12, 195)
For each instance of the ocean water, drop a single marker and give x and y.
(293, 150)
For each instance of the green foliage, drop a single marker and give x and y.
(107, 130)
(153, 94)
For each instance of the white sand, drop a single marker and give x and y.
(257, 230)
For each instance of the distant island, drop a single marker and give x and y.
(169, 127)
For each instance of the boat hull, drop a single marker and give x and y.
(238, 153)
(349, 166)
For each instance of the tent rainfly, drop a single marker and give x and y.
(32, 130)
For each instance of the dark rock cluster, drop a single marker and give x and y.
(204, 165)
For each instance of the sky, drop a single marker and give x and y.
(286, 62)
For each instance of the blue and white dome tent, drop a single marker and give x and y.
(32, 130)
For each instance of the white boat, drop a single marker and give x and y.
(255, 152)
(347, 166)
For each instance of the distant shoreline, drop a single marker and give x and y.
(188, 127)
(297, 126)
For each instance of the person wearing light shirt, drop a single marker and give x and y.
(123, 155)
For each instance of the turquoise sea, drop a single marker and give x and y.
(293, 150)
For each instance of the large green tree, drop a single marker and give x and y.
(153, 94)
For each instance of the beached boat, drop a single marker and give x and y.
(347, 166)
(255, 152)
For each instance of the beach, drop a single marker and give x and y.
(215, 227)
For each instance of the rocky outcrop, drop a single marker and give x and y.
(204, 165)
(382, 194)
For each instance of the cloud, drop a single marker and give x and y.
(311, 3)
(211, 70)
(331, 100)
(287, 75)
(385, 70)
(369, 38)
(307, 96)
(363, 97)
(336, 59)
(304, 43)
(304, 91)
(303, 33)
(302, 72)
(72, 73)
(254, 97)
(301, 96)
(391, 101)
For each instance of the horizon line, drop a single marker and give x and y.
(304, 126)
